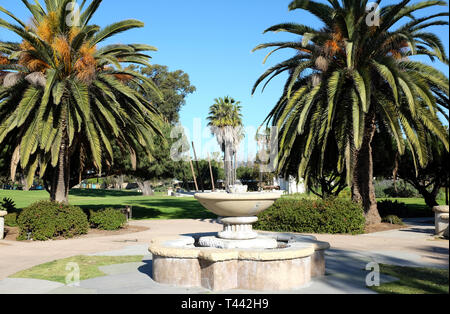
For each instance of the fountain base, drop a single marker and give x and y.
(185, 262)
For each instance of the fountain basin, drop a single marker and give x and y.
(237, 205)
(180, 261)
(237, 211)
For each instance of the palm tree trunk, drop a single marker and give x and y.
(59, 191)
(146, 187)
(363, 190)
(228, 160)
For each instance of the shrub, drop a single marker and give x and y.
(403, 192)
(386, 189)
(346, 193)
(107, 219)
(388, 207)
(331, 216)
(46, 220)
(11, 220)
(381, 187)
(393, 220)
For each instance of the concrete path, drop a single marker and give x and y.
(346, 261)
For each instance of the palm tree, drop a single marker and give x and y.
(349, 78)
(225, 122)
(64, 97)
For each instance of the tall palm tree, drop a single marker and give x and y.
(63, 96)
(225, 122)
(352, 76)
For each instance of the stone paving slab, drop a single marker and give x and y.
(133, 250)
(346, 261)
(27, 286)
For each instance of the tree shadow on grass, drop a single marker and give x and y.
(418, 211)
(102, 193)
(159, 208)
(175, 209)
(139, 213)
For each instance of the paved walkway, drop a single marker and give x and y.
(346, 261)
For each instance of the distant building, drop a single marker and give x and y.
(291, 186)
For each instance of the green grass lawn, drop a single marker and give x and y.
(88, 265)
(416, 206)
(144, 207)
(414, 280)
(158, 206)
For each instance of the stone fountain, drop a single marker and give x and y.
(238, 257)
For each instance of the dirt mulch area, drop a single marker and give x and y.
(383, 227)
(13, 232)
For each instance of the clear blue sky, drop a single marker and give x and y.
(212, 42)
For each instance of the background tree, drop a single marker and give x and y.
(225, 122)
(348, 78)
(66, 97)
(175, 86)
(430, 180)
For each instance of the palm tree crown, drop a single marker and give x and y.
(352, 77)
(64, 95)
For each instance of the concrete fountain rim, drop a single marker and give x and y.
(182, 247)
(248, 196)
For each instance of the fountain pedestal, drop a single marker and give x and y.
(238, 228)
(238, 234)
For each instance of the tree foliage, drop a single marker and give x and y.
(66, 97)
(347, 79)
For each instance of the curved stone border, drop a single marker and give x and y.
(2, 223)
(176, 261)
(441, 220)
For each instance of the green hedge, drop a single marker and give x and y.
(11, 220)
(107, 219)
(46, 220)
(333, 216)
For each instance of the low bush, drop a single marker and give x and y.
(402, 192)
(346, 193)
(381, 186)
(8, 205)
(396, 208)
(393, 220)
(333, 216)
(386, 189)
(46, 220)
(107, 219)
(11, 220)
